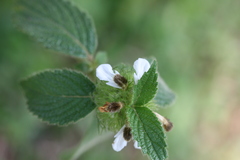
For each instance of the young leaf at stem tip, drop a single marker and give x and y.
(59, 96)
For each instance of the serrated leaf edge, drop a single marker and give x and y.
(87, 52)
(41, 119)
(135, 86)
(160, 124)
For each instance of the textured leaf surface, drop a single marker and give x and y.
(58, 25)
(146, 87)
(164, 96)
(147, 130)
(59, 96)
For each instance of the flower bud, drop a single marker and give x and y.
(120, 80)
(102, 109)
(167, 124)
(111, 107)
(114, 107)
(127, 135)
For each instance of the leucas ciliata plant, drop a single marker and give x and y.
(126, 98)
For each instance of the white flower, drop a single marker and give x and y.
(106, 73)
(140, 65)
(120, 142)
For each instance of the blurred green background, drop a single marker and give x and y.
(197, 45)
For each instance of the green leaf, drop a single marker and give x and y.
(59, 96)
(148, 132)
(164, 96)
(101, 57)
(146, 87)
(58, 25)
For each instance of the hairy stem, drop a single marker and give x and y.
(85, 147)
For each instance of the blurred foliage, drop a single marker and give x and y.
(196, 44)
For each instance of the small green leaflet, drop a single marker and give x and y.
(58, 25)
(101, 57)
(148, 132)
(146, 87)
(164, 96)
(59, 96)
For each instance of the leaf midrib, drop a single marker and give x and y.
(141, 91)
(146, 132)
(63, 96)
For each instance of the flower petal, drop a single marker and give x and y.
(113, 84)
(136, 145)
(140, 65)
(119, 142)
(120, 131)
(135, 78)
(105, 73)
(160, 117)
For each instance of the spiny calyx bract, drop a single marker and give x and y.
(106, 96)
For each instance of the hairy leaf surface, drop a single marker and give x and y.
(59, 96)
(148, 132)
(58, 25)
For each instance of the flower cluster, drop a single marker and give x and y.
(113, 78)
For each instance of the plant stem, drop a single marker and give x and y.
(85, 147)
